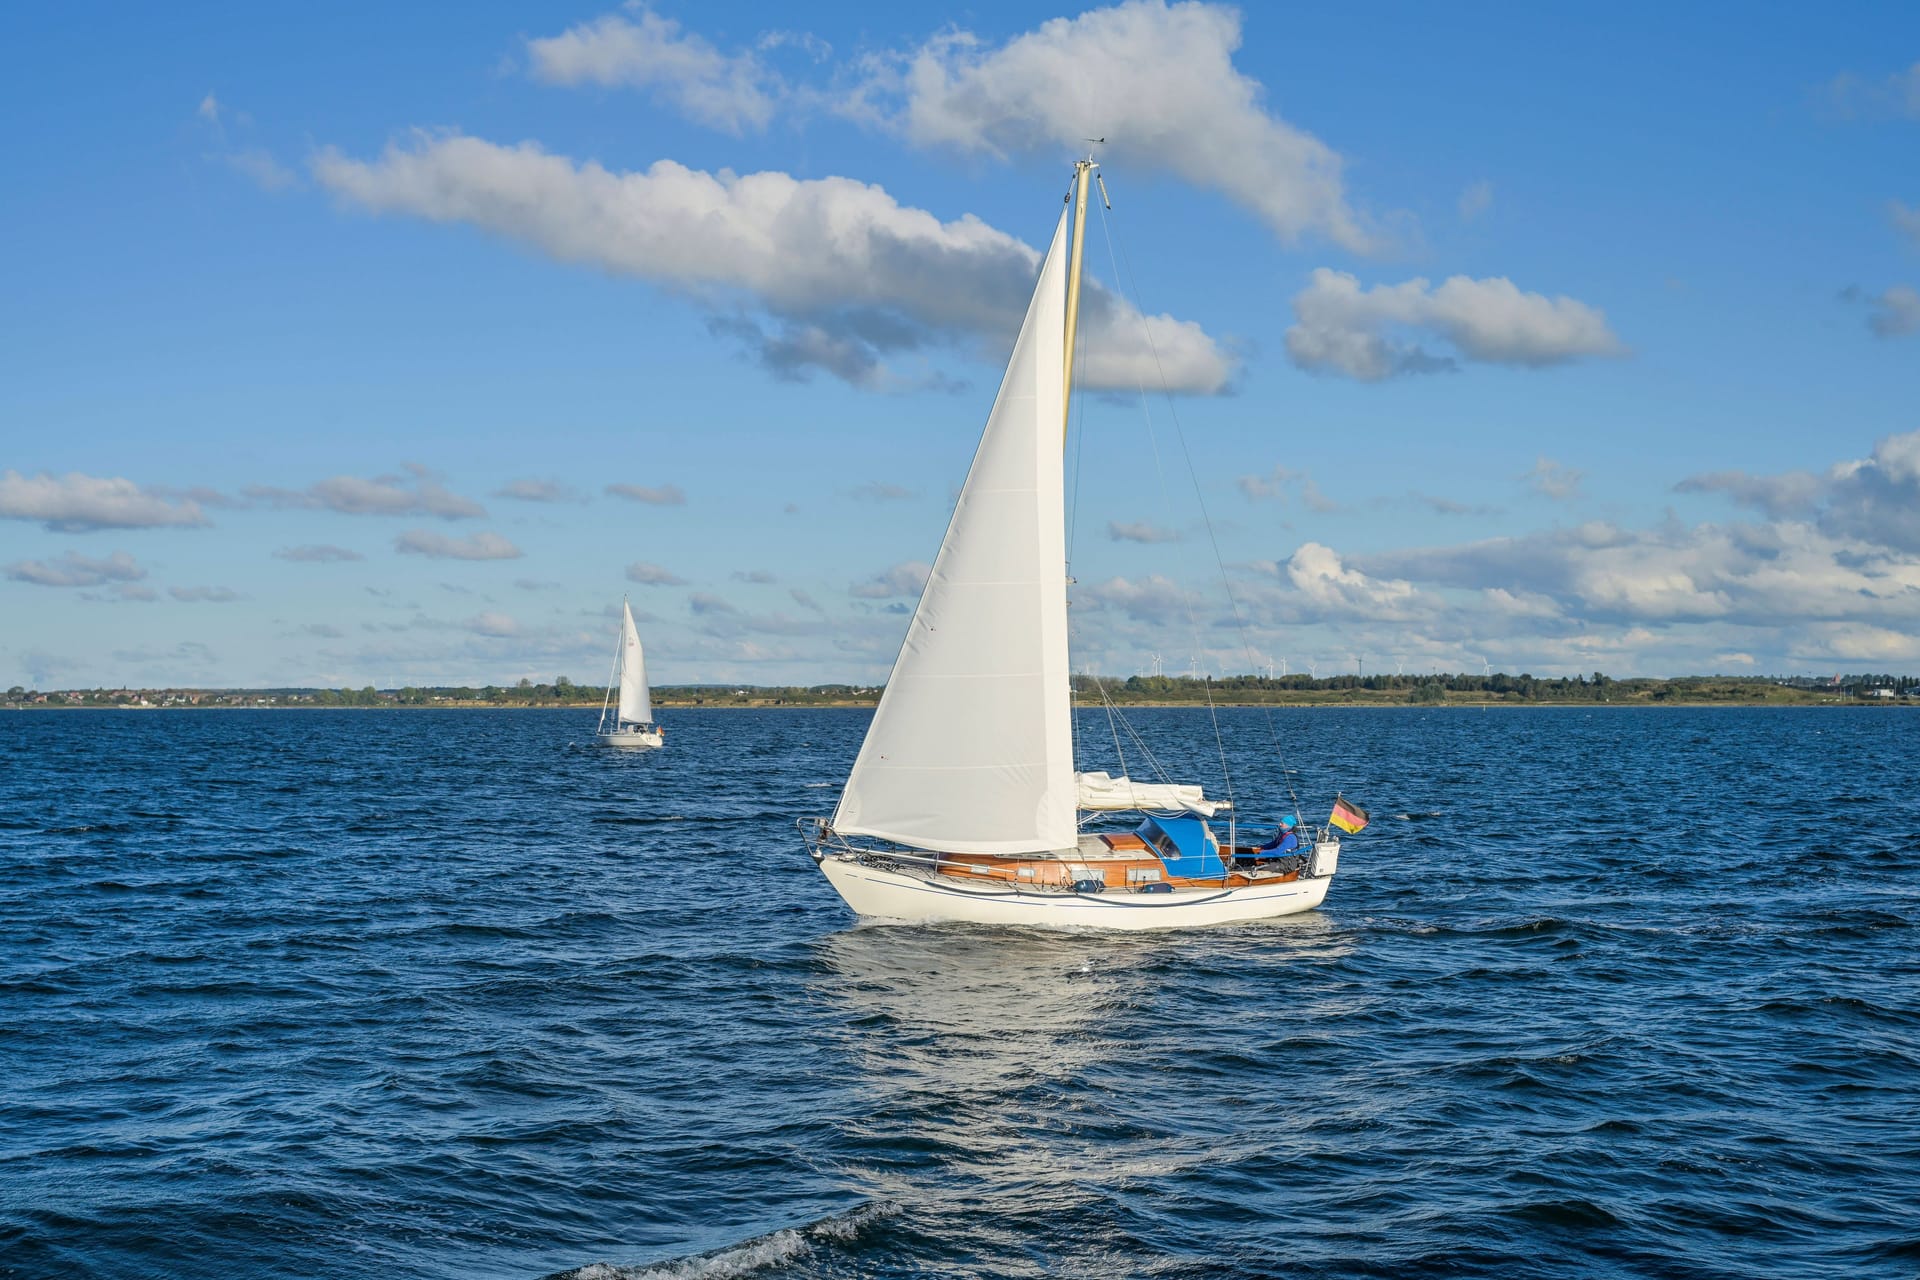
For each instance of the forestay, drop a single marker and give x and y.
(636, 700)
(970, 749)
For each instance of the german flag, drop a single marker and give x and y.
(1347, 815)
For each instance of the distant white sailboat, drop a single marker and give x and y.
(964, 803)
(632, 724)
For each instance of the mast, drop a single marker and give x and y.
(1082, 170)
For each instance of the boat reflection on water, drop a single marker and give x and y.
(1026, 1092)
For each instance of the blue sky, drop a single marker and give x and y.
(356, 345)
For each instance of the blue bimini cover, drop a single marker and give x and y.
(1187, 845)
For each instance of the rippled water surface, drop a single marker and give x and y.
(449, 994)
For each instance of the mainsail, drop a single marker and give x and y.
(636, 701)
(971, 748)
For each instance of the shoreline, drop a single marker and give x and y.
(1370, 705)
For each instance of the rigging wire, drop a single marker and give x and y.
(1166, 501)
(1213, 539)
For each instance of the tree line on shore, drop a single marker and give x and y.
(1431, 689)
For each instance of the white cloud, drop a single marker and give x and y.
(76, 503)
(1554, 480)
(1875, 499)
(1896, 94)
(1343, 328)
(495, 625)
(481, 546)
(733, 92)
(204, 595)
(317, 553)
(1790, 494)
(1140, 531)
(1320, 576)
(209, 109)
(417, 494)
(908, 578)
(666, 495)
(1155, 599)
(652, 575)
(266, 172)
(705, 602)
(823, 273)
(1285, 485)
(1157, 81)
(758, 577)
(1905, 220)
(1475, 200)
(76, 570)
(533, 490)
(1895, 312)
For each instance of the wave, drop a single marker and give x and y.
(773, 1249)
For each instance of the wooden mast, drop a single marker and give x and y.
(1082, 170)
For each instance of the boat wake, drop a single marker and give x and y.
(774, 1249)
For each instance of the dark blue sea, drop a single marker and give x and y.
(382, 995)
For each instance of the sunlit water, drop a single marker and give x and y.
(451, 994)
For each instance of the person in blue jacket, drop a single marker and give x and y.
(1285, 840)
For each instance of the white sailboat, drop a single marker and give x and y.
(632, 723)
(964, 803)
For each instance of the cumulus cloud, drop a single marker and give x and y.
(666, 495)
(317, 553)
(652, 575)
(705, 602)
(1875, 499)
(733, 92)
(908, 578)
(532, 490)
(1554, 480)
(1319, 575)
(76, 570)
(481, 546)
(825, 273)
(1157, 81)
(77, 503)
(1371, 333)
(1140, 531)
(759, 577)
(419, 493)
(204, 595)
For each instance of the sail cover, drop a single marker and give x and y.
(970, 749)
(636, 702)
(1103, 793)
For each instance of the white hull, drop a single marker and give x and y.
(904, 896)
(639, 738)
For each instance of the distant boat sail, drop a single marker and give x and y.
(964, 803)
(633, 724)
